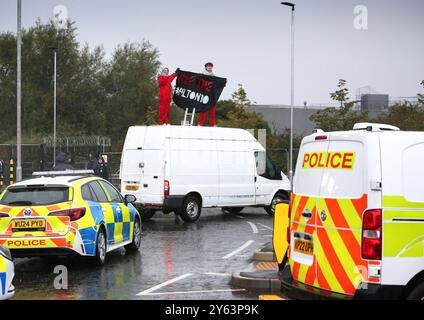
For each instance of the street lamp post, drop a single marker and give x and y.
(54, 107)
(292, 5)
(18, 97)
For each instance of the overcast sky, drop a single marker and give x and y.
(249, 40)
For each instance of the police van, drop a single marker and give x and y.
(183, 169)
(357, 215)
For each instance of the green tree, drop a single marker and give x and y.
(341, 94)
(406, 116)
(131, 86)
(234, 113)
(342, 118)
(421, 95)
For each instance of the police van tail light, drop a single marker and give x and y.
(372, 235)
(166, 188)
(74, 214)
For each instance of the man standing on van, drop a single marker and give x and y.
(202, 116)
(164, 82)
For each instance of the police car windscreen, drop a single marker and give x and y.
(35, 196)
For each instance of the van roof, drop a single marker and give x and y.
(154, 135)
(171, 131)
(361, 135)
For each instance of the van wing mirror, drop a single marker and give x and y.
(281, 225)
(129, 198)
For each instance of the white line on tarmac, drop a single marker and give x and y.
(197, 291)
(253, 226)
(148, 291)
(267, 235)
(266, 227)
(244, 246)
(218, 274)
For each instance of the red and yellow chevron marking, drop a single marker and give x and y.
(337, 265)
(55, 226)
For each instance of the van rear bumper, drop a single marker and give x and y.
(296, 290)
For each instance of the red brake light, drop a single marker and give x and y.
(74, 214)
(317, 138)
(371, 235)
(166, 188)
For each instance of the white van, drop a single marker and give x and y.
(357, 215)
(185, 168)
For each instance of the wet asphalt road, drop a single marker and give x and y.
(176, 261)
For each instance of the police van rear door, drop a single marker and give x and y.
(306, 189)
(341, 203)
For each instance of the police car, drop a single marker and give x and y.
(6, 274)
(357, 215)
(60, 213)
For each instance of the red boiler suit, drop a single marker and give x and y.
(164, 83)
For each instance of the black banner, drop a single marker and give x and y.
(197, 91)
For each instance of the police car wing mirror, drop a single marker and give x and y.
(129, 198)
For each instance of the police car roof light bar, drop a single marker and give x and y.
(63, 173)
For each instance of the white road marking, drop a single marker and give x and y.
(244, 246)
(253, 226)
(218, 274)
(268, 235)
(266, 227)
(148, 291)
(197, 291)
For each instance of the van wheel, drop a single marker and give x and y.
(278, 198)
(233, 209)
(135, 244)
(417, 293)
(191, 209)
(101, 247)
(147, 214)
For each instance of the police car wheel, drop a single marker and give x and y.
(278, 198)
(136, 242)
(417, 293)
(101, 245)
(147, 214)
(191, 209)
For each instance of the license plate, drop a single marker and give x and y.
(28, 225)
(304, 247)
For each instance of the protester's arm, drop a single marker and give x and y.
(172, 77)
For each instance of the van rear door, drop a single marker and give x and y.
(306, 189)
(131, 170)
(341, 203)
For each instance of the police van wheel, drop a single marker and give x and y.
(191, 209)
(101, 247)
(278, 198)
(147, 214)
(136, 242)
(417, 293)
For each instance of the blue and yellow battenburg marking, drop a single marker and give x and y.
(80, 235)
